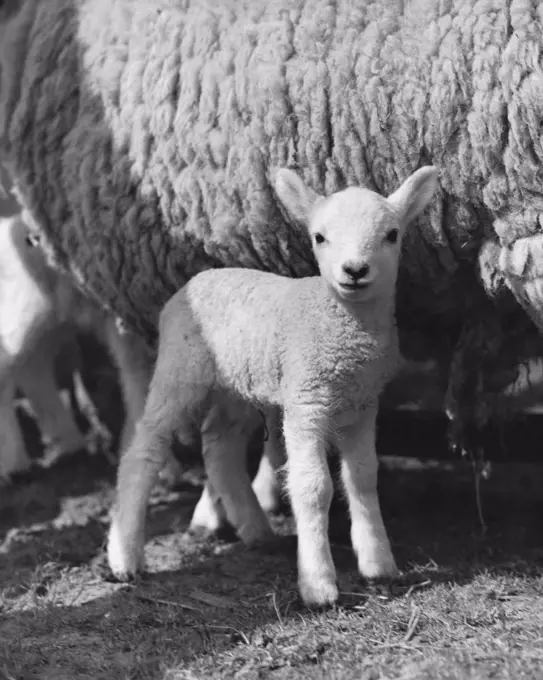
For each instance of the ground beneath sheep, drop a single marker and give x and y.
(467, 606)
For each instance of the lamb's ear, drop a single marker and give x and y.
(297, 198)
(415, 193)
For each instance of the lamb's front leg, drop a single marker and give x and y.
(311, 489)
(359, 468)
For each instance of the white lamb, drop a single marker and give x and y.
(321, 348)
(40, 310)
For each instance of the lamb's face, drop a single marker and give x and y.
(356, 237)
(356, 233)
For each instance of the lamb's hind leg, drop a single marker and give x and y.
(311, 489)
(135, 364)
(208, 516)
(226, 431)
(138, 472)
(359, 473)
(266, 484)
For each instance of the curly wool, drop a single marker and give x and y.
(142, 138)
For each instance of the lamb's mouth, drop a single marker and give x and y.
(353, 287)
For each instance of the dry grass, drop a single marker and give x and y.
(466, 606)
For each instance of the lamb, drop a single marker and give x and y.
(40, 310)
(320, 348)
(143, 152)
(31, 337)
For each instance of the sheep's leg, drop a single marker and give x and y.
(225, 438)
(359, 473)
(135, 371)
(311, 489)
(266, 484)
(60, 432)
(208, 516)
(13, 455)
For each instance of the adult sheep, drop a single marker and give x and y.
(142, 138)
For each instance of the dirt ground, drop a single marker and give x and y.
(468, 605)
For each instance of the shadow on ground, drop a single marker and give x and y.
(217, 609)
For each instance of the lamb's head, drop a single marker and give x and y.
(357, 233)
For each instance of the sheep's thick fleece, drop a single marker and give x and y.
(142, 138)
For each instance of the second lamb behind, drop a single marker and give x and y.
(321, 348)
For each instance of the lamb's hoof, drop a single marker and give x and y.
(200, 533)
(319, 593)
(125, 562)
(208, 517)
(379, 569)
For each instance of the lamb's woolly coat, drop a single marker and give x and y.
(256, 333)
(142, 137)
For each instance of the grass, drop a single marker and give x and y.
(467, 605)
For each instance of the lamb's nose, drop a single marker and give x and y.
(355, 270)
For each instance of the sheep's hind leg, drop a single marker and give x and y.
(266, 484)
(359, 463)
(226, 433)
(311, 489)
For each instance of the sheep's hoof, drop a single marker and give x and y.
(124, 561)
(319, 593)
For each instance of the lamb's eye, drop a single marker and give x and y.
(392, 236)
(319, 238)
